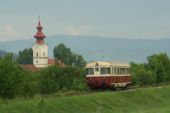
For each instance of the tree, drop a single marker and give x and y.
(66, 56)
(55, 78)
(47, 80)
(28, 85)
(160, 64)
(156, 70)
(25, 56)
(145, 77)
(2, 53)
(10, 77)
(142, 76)
(79, 61)
(62, 53)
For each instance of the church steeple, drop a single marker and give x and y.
(40, 48)
(39, 35)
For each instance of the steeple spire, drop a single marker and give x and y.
(39, 18)
(39, 35)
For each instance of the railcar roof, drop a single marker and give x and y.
(106, 63)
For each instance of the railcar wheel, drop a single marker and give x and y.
(125, 87)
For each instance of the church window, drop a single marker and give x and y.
(37, 54)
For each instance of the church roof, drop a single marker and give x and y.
(39, 35)
(29, 67)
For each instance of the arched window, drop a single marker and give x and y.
(43, 53)
(37, 54)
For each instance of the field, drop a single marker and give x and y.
(143, 100)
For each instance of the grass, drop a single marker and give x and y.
(144, 100)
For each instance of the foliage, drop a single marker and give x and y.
(56, 78)
(160, 64)
(16, 82)
(155, 71)
(145, 77)
(2, 53)
(25, 56)
(66, 56)
(28, 87)
(47, 81)
(10, 77)
(143, 100)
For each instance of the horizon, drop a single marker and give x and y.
(130, 19)
(81, 36)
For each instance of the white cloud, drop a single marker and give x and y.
(72, 30)
(7, 32)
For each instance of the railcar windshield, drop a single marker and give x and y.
(105, 70)
(89, 71)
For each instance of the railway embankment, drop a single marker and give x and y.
(141, 100)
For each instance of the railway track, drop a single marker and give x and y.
(88, 92)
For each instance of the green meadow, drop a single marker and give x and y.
(142, 100)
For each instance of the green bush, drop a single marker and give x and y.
(145, 77)
(155, 71)
(10, 77)
(28, 87)
(54, 78)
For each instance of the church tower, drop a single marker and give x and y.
(40, 49)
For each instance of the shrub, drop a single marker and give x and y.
(55, 78)
(10, 77)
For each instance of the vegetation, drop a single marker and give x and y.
(147, 100)
(25, 56)
(10, 77)
(155, 71)
(66, 56)
(55, 79)
(14, 81)
(2, 53)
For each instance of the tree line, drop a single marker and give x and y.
(60, 52)
(155, 71)
(14, 81)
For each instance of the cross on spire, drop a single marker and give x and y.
(39, 18)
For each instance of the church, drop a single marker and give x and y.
(40, 49)
(40, 52)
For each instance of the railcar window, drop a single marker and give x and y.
(89, 71)
(96, 69)
(127, 70)
(115, 71)
(105, 70)
(120, 71)
(123, 71)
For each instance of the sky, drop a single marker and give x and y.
(136, 19)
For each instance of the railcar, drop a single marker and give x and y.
(101, 74)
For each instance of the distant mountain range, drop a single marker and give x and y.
(98, 48)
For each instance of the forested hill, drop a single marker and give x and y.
(99, 48)
(2, 53)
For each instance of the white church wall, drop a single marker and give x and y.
(40, 55)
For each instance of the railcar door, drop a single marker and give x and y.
(97, 71)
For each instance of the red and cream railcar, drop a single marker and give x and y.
(107, 74)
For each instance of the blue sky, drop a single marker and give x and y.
(149, 19)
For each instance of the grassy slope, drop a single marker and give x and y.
(148, 100)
